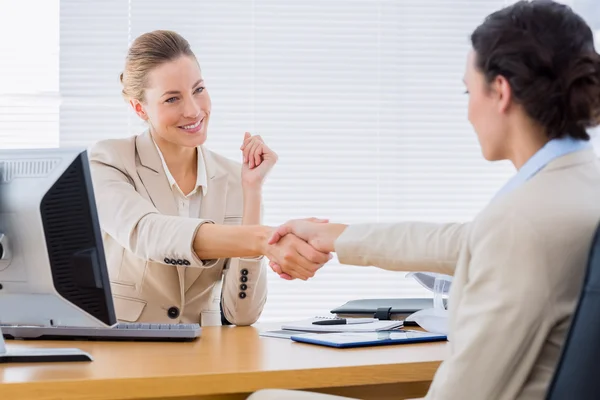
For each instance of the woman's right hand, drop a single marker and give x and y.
(318, 235)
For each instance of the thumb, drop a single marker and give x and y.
(279, 233)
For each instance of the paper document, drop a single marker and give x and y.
(307, 325)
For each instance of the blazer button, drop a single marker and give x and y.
(186, 262)
(244, 272)
(167, 260)
(179, 262)
(244, 278)
(242, 295)
(243, 286)
(173, 312)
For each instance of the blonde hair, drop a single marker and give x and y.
(147, 52)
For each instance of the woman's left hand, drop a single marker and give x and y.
(258, 159)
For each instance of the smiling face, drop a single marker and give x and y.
(175, 103)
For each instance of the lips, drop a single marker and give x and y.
(193, 128)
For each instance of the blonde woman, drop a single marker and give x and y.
(181, 224)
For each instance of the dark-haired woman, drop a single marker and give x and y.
(533, 79)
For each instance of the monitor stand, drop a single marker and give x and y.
(20, 355)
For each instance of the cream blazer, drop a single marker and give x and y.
(518, 270)
(155, 274)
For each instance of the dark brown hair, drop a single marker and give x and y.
(546, 52)
(146, 53)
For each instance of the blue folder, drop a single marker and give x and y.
(364, 339)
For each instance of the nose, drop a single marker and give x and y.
(191, 109)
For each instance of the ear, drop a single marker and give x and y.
(503, 93)
(139, 109)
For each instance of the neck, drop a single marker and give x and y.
(527, 140)
(181, 160)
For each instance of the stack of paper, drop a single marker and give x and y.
(308, 326)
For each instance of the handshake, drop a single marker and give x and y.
(299, 248)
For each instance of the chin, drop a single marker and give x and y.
(491, 154)
(195, 140)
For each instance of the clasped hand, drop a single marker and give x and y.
(299, 248)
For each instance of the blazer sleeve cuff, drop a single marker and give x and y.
(346, 244)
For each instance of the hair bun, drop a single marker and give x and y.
(582, 84)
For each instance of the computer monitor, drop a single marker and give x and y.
(52, 265)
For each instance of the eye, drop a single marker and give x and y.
(171, 100)
(199, 90)
(466, 92)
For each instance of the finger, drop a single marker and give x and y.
(248, 150)
(311, 257)
(252, 153)
(293, 265)
(289, 266)
(279, 233)
(286, 277)
(247, 136)
(277, 269)
(296, 264)
(258, 152)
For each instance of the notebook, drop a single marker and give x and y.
(355, 339)
(307, 325)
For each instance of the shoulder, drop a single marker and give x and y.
(112, 150)
(226, 163)
(232, 168)
(552, 213)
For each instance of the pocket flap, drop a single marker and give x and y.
(127, 308)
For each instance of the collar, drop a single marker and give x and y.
(201, 176)
(552, 150)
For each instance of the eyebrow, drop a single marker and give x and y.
(178, 92)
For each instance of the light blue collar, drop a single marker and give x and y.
(552, 150)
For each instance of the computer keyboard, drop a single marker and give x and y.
(120, 331)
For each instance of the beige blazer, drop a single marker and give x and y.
(518, 270)
(155, 274)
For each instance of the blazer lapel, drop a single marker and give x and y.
(153, 176)
(213, 204)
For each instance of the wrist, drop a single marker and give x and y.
(263, 234)
(332, 233)
(252, 188)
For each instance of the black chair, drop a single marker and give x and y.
(577, 375)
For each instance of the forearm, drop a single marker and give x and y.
(405, 246)
(252, 207)
(214, 241)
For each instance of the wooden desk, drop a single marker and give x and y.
(225, 363)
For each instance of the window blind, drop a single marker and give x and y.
(362, 100)
(29, 97)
